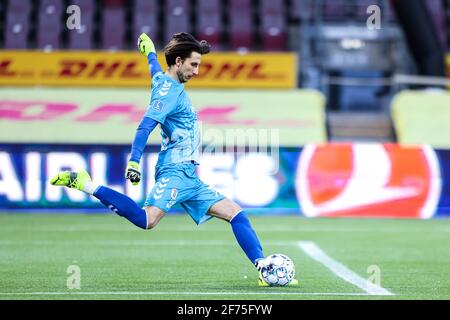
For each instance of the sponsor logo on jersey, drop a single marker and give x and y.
(173, 194)
(372, 180)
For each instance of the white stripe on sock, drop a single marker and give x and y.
(90, 187)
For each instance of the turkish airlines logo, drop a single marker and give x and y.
(371, 180)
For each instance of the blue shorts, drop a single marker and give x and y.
(179, 183)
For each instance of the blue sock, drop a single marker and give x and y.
(122, 205)
(246, 237)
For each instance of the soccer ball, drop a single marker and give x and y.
(280, 270)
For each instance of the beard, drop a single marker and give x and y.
(181, 77)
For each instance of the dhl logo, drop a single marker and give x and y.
(128, 69)
(80, 68)
(5, 68)
(252, 70)
(68, 68)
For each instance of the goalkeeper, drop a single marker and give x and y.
(175, 176)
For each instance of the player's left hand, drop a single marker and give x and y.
(145, 44)
(132, 173)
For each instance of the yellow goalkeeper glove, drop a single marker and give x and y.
(132, 173)
(145, 44)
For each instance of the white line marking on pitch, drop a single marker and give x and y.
(157, 293)
(311, 249)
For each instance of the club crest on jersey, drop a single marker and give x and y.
(157, 105)
(371, 180)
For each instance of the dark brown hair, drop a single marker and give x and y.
(182, 45)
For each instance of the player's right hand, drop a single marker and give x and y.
(145, 44)
(132, 173)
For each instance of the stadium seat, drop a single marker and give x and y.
(147, 6)
(17, 24)
(51, 11)
(147, 23)
(273, 26)
(209, 25)
(86, 6)
(82, 38)
(177, 18)
(113, 3)
(17, 28)
(49, 39)
(16, 6)
(145, 19)
(240, 25)
(113, 28)
(49, 25)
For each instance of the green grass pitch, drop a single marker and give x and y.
(179, 260)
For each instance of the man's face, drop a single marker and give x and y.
(189, 67)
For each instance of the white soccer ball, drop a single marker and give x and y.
(280, 271)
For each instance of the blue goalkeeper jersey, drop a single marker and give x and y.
(172, 108)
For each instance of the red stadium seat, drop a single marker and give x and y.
(86, 6)
(17, 28)
(48, 41)
(273, 26)
(240, 25)
(146, 5)
(177, 18)
(145, 19)
(49, 25)
(209, 25)
(113, 3)
(17, 24)
(147, 23)
(17, 6)
(82, 38)
(57, 4)
(113, 28)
